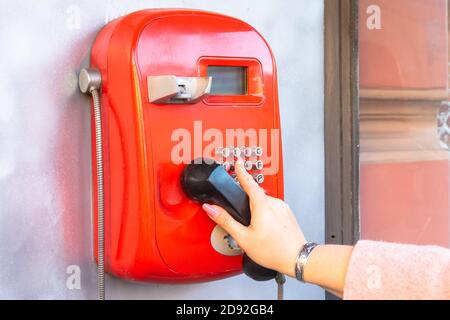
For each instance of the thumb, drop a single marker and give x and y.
(226, 221)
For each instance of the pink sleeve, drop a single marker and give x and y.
(380, 270)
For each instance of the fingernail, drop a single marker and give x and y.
(239, 161)
(210, 210)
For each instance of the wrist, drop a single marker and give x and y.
(288, 268)
(317, 270)
(302, 259)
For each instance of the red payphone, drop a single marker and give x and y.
(177, 85)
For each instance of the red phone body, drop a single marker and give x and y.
(153, 232)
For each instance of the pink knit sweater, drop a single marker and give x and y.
(379, 270)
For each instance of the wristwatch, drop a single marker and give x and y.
(302, 258)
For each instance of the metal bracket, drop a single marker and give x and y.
(171, 89)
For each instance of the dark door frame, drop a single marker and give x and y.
(341, 122)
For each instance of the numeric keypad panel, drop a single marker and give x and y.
(251, 156)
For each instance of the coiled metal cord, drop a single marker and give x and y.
(281, 280)
(90, 81)
(100, 194)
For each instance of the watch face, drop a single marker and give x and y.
(443, 123)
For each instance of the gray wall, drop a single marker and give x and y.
(45, 221)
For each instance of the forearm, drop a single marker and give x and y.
(327, 267)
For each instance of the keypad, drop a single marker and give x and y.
(257, 151)
(259, 165)
(251, 156)
(226, 165)
(248, 165)
(258, 177)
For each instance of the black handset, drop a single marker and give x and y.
(206, 181)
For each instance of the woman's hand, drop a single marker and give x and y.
(273, 239)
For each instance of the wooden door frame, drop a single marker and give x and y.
(341, 122)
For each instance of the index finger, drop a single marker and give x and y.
(250, 186)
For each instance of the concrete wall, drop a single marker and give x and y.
(45, 220)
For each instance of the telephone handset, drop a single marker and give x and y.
(208, 182)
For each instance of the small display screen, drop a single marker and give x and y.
(228, 80)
